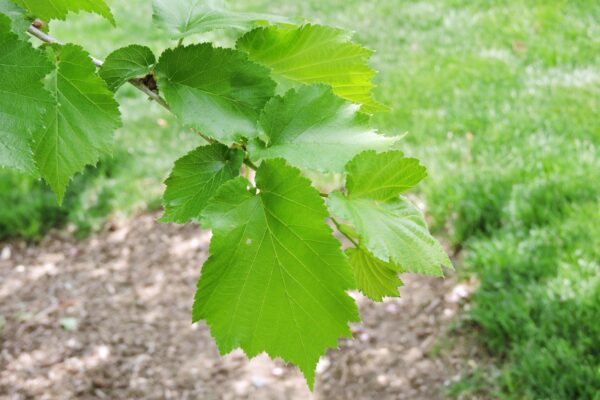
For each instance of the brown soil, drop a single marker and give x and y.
(109, 317)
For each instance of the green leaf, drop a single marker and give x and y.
(126, 63)
(181, 18)
(48, 10)
(376, 279)
(390, 226)
(276, 279)
(19, 21)
(394, 231)
(195, 179)
(382, 176)
(315, 54)
(313, 128)
(216, 91)
(79, 125)
(23, 99)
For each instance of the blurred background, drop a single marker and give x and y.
(501, 101)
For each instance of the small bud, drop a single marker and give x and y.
(38, 23)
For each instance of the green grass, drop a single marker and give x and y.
(500, 99)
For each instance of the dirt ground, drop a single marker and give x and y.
(109, 318)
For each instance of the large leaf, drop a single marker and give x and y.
(195, 179)
(216, 91)
(276, 278)
(390, 226)
(19, 21)
(79, 125)
(58, 9)
(181, 18)
(129, 62)
(313, 128)
(23, 100)
(376, 279)
(315, 54)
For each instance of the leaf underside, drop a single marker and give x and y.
(389, 225)
(276, 278)
(312, 128)
(376, 279)
(187, 17)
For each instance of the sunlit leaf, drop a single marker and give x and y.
(181, 18)
(276, 278)
(376, 279)
(315, 54)
(389, 225)
(313, 128)
(48, 10)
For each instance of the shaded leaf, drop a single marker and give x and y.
(79, 125)
(129, 62)
(216, 91)
(195, 179)
(23, 99)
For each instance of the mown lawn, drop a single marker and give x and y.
(501, 100)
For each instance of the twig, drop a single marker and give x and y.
(33, 31)
(339, 228)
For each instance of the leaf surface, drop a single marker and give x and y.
(276, 278)
(382, 176)
(181, 18)
(216, 91)
(315, 54)
(129, 62)
(19, 21)
(313, 128)
(390, 227)
(79, 125)
(23, 99)
(195, 179)
(376, 279)
(48, 10)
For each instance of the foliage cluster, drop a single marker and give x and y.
(288, 100)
